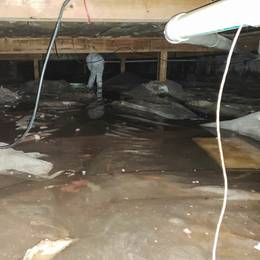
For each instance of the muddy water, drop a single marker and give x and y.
(132, 192)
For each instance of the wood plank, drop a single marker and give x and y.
(36, 69)
(99, 10)
(88, 45)
(122, 64)
(163, 66)
(17, 57)
(238, 153)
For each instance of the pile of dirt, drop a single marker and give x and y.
(122, 82)
(8, 97)
(155, 101)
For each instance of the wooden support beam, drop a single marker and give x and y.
(18, 57)
(163, 66)
(36, 69)
(99, 10)
(122, 64)
(89, 45)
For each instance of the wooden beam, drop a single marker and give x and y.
(122, 64)
(99, 10)
(23, 57)
(18, 57)
(36, 69)
(163, 66)
(90, 45)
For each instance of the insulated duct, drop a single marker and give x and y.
(211, 41)
(201, 26)
(220, 16)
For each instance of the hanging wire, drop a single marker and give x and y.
(222, 159)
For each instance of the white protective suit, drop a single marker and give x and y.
(95, 63)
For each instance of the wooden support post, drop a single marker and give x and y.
(162, 70)
(36, 69)
(122, 63)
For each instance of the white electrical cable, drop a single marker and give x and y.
(224, 205)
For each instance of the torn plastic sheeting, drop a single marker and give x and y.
(13, 160)
(233, 194)
(228, 109)
(247, 125)
(174, 111)
(47, 249)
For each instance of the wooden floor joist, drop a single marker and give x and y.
(88, 45)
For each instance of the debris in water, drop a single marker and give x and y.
(74, 186)
(20, 162)
(47, 249)
(50, 187)
(188, 232)
(22, 123)
(257, 246)
(37, 137)
(43, 127)
(56, 174)
(167, 87)
(69, 173)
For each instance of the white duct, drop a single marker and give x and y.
(216, 17)
(201, 25)
(211, 41)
